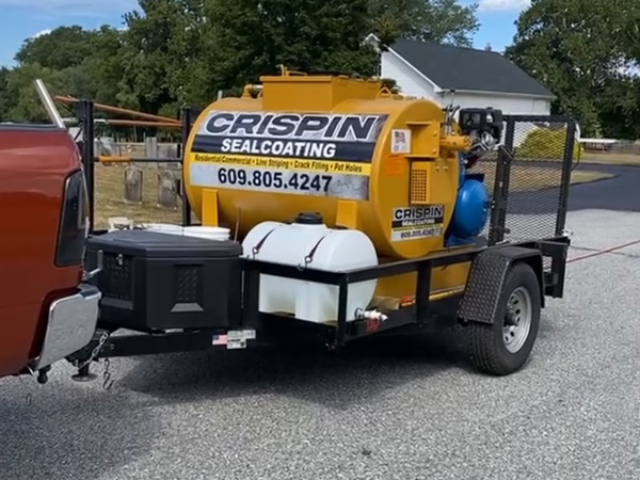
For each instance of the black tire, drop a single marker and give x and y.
(488, 344)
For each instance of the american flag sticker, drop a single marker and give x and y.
(220, 340)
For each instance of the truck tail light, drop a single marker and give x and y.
(74, 223)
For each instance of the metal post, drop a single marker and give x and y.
(501, 186)
(343, 291)
(86, 117)
(559, 262)
(49, 106)
(187, 117)
(423, 291)
(251, 297)
(566, 177)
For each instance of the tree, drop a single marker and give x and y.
(441, 21)
(105, 67)
(619, 109)
(580, 51)
(181, 52)
(71, 61)
(62, 48)
(26, 105)
(162, 51)
(251, 37)
(6, 102)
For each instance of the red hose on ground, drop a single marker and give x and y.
(409, 300)
(602, 252)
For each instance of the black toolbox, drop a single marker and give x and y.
(157, 281)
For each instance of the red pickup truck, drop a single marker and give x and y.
(46, 311)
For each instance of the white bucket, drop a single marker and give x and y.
(210, 233)
(120, 223)
(165, 228)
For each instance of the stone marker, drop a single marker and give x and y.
(167, 189)
(133, 184)
(169, 150)
(151, 147)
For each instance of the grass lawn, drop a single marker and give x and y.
(110, 198)
(110, 190)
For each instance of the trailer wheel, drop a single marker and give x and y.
(504, 346)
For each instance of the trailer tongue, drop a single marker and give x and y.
(354, 212)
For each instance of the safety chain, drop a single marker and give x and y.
(103, 338)
(107, 383)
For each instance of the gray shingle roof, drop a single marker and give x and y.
(468, 69)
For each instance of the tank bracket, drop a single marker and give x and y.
(347, 215)
(210, 208)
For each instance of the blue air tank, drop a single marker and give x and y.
(472, 208)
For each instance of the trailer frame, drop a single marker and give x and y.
(546, 255)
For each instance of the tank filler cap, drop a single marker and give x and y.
(309, 218)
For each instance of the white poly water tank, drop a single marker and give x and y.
(308, 242)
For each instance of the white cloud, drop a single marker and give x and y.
(503, 5)
(42, 32)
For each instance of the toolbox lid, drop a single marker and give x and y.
(145, 243)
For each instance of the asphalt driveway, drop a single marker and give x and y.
(621, 193)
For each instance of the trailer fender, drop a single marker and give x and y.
(486, 279)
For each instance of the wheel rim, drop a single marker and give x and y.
(517, 321)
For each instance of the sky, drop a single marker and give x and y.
(22, 19)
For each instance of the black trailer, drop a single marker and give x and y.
(519, 261)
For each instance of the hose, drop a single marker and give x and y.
(410, 300)
(603, 252)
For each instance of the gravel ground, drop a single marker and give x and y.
(392, 410)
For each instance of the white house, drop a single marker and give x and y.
(478, 78)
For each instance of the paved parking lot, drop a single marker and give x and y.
(392, 410)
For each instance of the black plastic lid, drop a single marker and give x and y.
(145, 243)
(309, 218)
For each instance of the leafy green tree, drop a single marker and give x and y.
(161, 50)
(26, 105)
(6, 102)
(182, 52)
(105, 66)
(81, 63)
(251, 37)
(64, 47)
(441, 21)
(579, 50)
(619, 109)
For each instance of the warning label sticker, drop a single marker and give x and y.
(413, 223)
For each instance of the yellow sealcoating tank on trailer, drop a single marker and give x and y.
(345, 148)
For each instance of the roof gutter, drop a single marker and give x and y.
(510, 94)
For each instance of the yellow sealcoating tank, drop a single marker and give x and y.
(345, 148)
